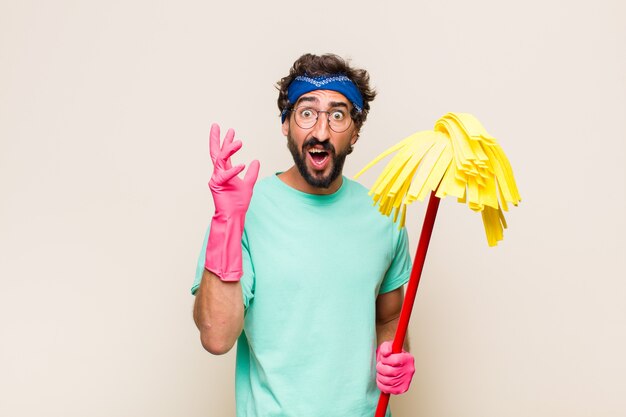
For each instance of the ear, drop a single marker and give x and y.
(355, 137)
(285, 127)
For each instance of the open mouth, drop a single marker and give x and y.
(318, 157)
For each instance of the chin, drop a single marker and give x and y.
(320, 181)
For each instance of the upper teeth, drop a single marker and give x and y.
(316, 150)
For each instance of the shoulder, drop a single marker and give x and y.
(265, 187)
(356, 189)
(264, 184)
(365, 203)
(267, 194)
(362, 202)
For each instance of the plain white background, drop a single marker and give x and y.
(105, 109)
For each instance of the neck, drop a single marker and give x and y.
(292, 178)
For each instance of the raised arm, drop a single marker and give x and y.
(218, 313)
(218, 308)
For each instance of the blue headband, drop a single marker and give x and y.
(303, 84)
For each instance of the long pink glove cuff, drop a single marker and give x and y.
(223, 251)
(394, 371)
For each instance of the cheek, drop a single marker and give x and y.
(348, 140)
(299, 136)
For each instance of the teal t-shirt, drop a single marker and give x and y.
(313, 267)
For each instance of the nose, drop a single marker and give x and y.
(321, 129)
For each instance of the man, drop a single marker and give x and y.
(313, 283)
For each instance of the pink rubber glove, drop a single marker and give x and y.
(231, 197)
(394, 371)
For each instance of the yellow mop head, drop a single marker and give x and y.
(457, 158)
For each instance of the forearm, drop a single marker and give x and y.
(218, 313)
(387, 331)
(388, 310)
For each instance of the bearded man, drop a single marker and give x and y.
(304, 274)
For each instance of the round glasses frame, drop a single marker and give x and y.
(317, 113)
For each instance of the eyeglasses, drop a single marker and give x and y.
(338, 119)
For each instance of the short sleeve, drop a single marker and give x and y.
(247, 280)
(200, 265)
(399, 270)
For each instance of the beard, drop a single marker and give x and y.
(336, 161)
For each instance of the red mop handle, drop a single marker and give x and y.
(411, 290)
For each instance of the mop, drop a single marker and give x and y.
(458, 158)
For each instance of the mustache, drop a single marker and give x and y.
(326, 145)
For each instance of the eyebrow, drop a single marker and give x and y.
(338, 104)
(315, 99)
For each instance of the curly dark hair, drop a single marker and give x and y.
(327, 64)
